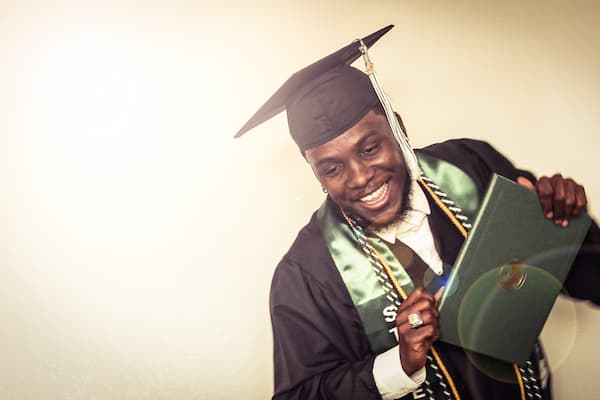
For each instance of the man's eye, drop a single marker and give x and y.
(331, 171)
(370, 150)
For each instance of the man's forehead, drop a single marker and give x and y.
(372, 125)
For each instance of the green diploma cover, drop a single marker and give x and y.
(508, 274)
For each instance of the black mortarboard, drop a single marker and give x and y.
(324, 99)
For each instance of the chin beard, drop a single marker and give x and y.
(398, 217)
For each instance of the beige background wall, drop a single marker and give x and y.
(138, 240)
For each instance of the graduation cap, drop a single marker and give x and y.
(328, 97)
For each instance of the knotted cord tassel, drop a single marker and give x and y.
(410, 159)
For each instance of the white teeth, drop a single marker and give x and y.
(376, 195)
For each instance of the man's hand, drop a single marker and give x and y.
(561, 198)
(414, 343)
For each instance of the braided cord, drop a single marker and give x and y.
(380, 267)
(438, 359)
(454, 213)
(528, 381)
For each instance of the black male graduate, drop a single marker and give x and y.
(353, 302)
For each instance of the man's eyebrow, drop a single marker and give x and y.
(325, 161)
(366, 137)
(359, 143)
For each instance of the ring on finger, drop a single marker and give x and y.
(415, 320)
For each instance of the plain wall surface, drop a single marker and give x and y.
(138, 239)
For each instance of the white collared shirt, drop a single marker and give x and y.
(414, 230)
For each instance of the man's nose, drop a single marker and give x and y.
(360, 173)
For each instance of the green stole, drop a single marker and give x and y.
(356, 270)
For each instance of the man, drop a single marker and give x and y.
(354, 301)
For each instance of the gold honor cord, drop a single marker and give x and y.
(520, 380)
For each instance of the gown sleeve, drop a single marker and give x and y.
(317, 352)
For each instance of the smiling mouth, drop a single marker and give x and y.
(376, 196)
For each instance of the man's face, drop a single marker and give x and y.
(363, 170)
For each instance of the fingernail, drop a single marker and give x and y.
(439, 293)
(565, 223)
(558, 222)
(549, 214)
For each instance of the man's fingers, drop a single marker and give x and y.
(545, 192)
(581, 200)
(558, 198)
(415, 342)
(428, 317)
(521, 180)
(561, 198)
(422, 335)
(570, 199)
(416, 295)
(423, 309)
(438, 295)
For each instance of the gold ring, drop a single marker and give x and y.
(415, 320)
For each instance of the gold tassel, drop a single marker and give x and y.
(410, 159)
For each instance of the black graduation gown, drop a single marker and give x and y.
(320, 349)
